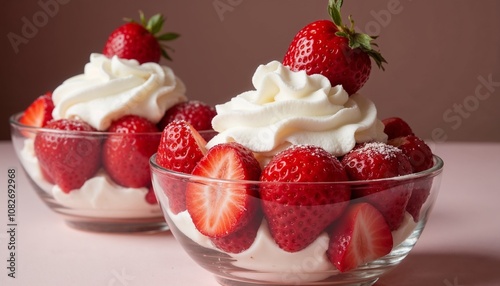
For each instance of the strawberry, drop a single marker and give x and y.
(127, 149)
(180, 149)
(139, 41)
(291, 209)
(241, 239)
(420, 193)
(376, 160)
(334, 50)
(360, 236)
(197, 113)
(220, 209)
(39, 112)
(416, 150)
(69, 157)
(396, 127)
(420, 156)
(151, 197)
(46, 175)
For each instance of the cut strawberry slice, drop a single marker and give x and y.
(39, 112)
(240, 240)
(219, 209)
(360, 236)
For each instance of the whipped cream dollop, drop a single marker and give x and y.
(288, 108)
(111, 88)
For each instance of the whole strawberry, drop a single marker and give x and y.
(334, 50)
(377, 160)
(197, 113)
(70, 157)
(139, 41)
(126, 153)
(291, 209)
(396, 127)
(420, 156)
(181, 148)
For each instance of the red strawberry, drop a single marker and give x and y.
(420, 156)
(180, 149)
(139, 41)
(419, 195)
(291, 209)
(197, 113)
(151, 197)
(39, 112)
(69, 157)
(360, 236)
(46, 175)
(416, 150)
(396, 127)
(378, 160)
(333, 50)
(241, 239)
(217, 209)
(126, 153)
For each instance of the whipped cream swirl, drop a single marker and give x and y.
(111, 88)
(288, 108)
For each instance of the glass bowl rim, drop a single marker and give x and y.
(432, 172)
(14, 122)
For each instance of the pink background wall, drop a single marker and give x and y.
(443, 75)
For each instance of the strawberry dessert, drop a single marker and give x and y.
(302, 181)
(90, 139)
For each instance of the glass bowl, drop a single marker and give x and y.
(100, 204)
(264, 263)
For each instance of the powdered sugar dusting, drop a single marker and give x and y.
(379, 148)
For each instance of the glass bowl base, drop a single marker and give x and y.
(116, 226)
(228, 282)
(87, 220)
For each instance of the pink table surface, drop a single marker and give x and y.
(459, 247)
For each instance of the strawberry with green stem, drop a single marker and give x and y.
(334, 50)
(140, 41)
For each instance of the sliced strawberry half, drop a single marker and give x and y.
(219, 209)
(39, 112)
(240, 240)
(360, 236)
